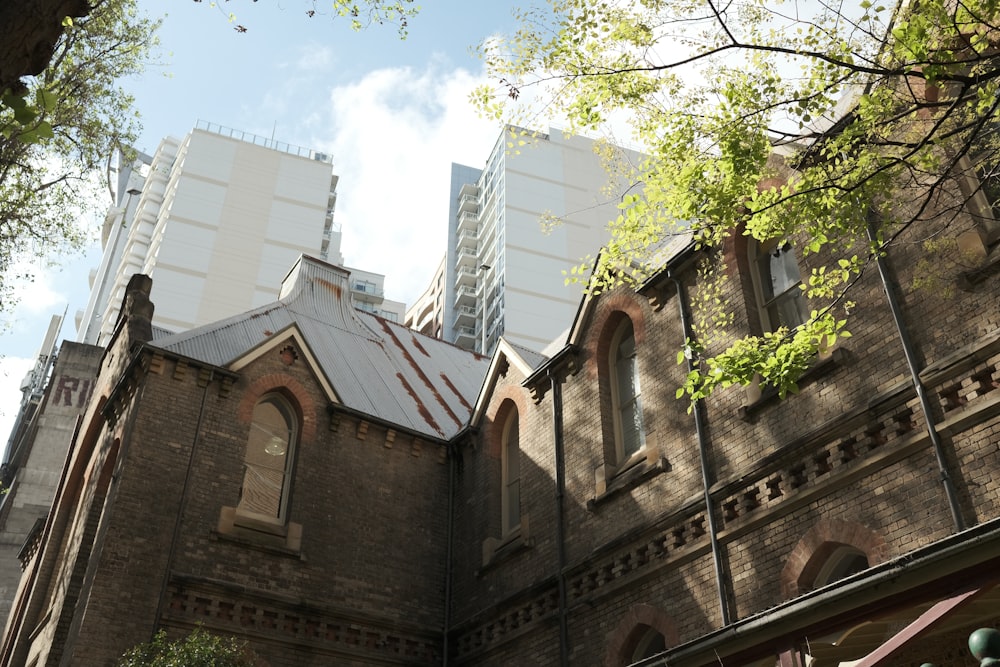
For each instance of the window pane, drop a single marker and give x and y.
(511, 495)
(266, 459)
(788, 310)
(627, 387)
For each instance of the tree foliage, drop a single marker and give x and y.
(198, 649)
(58, 131)
(361, 14)
(808, 123)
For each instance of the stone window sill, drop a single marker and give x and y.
(259, 532)
(758, 398)
(635, 471)
(497, 550)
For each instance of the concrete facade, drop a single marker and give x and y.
(505, 263)
(36, 456)
(217, 218)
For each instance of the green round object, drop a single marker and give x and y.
(984, 644)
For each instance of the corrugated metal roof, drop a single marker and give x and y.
(376, 367)
(532, 358)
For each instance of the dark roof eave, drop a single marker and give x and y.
(549, 364)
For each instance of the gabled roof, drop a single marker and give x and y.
(374, 366)
(505, 353)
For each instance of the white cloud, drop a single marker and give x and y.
(394, 136)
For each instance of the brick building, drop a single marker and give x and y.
(340, 490)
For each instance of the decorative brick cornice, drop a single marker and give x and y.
(336, 633)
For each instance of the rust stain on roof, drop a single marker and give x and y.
(454, 390)
(333, 287)
(416, 344)
(268, 332)
(420, 373)
(420, 406)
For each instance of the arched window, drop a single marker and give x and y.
(511, 474)
(778, 284)
(650, 643)
(844, 561)
(625, 392)
(267, 464)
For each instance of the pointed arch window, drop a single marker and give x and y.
(511, 474)
(268, 459)
(778, 284)
(630, 436)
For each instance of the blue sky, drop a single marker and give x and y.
(394, 114)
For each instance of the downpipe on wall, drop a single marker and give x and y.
(889, 286)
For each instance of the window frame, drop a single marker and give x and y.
(623, 458)
(511, 427)
(287, 410)
(757, 251)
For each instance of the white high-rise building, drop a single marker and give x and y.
(217, 219)
(504, 270)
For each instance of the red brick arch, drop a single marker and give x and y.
(509, 396)
(606, 321)
(632, 627)
(300, 398)
(819, 543)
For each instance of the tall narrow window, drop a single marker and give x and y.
(630, 436)
(268, 458)
(778, 283)
(511, 493)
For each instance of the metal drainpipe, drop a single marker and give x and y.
(448, 570)
(557, 434)
(180, 510)
(699, 428)
(911, 361)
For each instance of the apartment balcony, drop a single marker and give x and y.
(465, 316)
(469, 189)
(465, 337)
(468, 239)
(466, 277)
(465, 296)
(365, 291)
(468, 222)
(466, 258)
(468, 204)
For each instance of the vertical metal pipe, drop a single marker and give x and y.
(888, 285)
(557, 435)
(448, 570)
(699, 428)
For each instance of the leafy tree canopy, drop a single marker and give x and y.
(794, 123)
(361, 14)
(199, 649)
(59, 129)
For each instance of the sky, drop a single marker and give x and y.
(393, 113)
